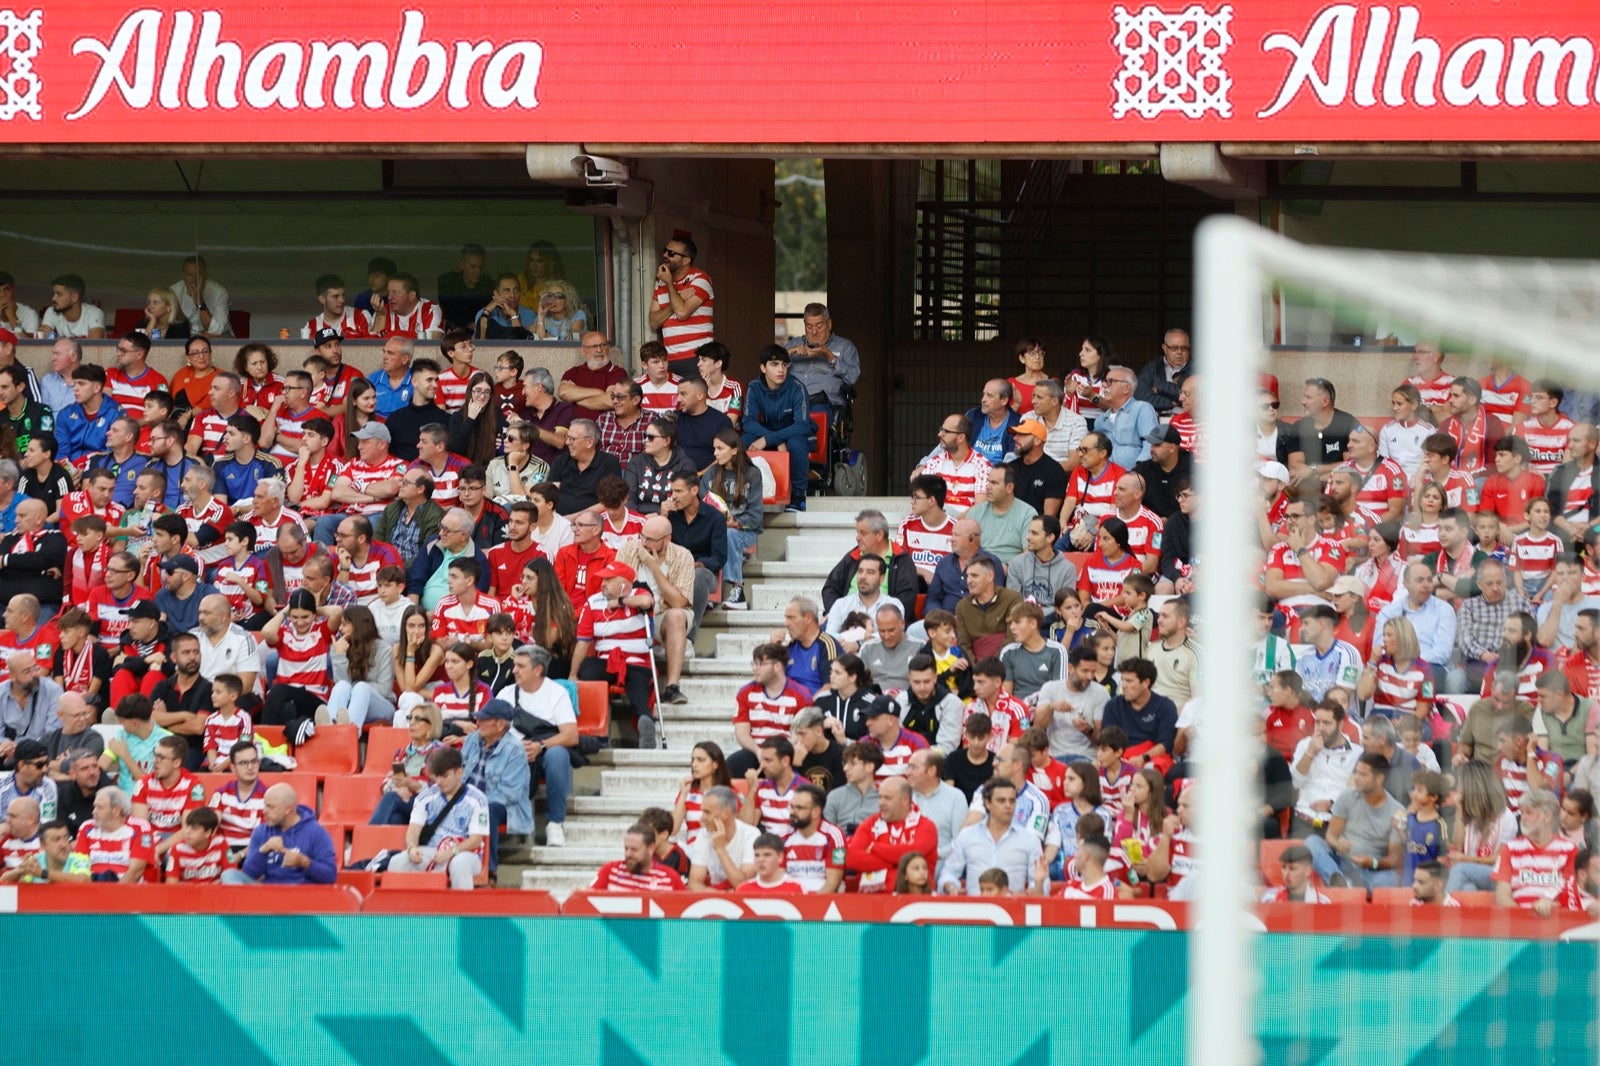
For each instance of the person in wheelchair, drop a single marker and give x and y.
(827, 367)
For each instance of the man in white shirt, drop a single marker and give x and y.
(1321, 769)
(723, 856)
(68, 315)
(203, 301)
(18, 318)
(541, 705)
(867, 599)
(224, 647)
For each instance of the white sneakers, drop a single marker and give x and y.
(554, 835)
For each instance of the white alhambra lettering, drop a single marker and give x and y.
(1416, 71)
(200, 68)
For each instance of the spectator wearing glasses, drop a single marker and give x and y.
(203, 302)
(578, 470)
(964, 470)
(1127, 420)
(588, 385)
(412, 520)
(623, 425)
(681, 305)
(429, 579)
(1160, 381)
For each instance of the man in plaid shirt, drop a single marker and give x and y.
(1480, 625)
(622, 428)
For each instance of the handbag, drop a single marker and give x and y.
(444, 812)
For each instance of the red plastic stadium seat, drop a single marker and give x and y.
(778, 463)
(1079, 559)
(212, 782)
(335, 749)
(415, 879)
(819, 454)
(1474, 899)
(304, 785)
(350, 799)
(594, 709)
(1392, 897)
(1346, 895)
(382, 742)
(1270, 860)
(272, 734)
(126, 320)
(363, 881)
(367, 840)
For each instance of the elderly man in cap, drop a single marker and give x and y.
(365, 484)
(495, 764)
(614, 642)
(1041, 482)
(181, 593)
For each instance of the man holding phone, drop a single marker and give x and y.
(822, 361)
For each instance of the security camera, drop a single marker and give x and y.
(600, 172)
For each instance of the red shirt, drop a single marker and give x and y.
(1051, 780)
(187, 866)
(577, 569)
(168, 806)
(319, 478)
(116, 851)
(1507, 497)
(616, 877)
(129, 392)
(1508, 399)
(111, 614)
(1287, 728)
(877, 847)
(1006, 717)
(1102, 579)
(787, 887)
(262, 395)
(616, 536)
(1535, 873)
(506, 565)
(77, 506)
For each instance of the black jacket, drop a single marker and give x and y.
(23, 571)
(1561, 484)
(902, 581)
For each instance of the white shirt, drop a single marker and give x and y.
(216, 298)
(91, 318)
(557, 537)
(741, 849)
(27, 320)
(387, 617)
(1328, 777)
(238, 653)
(845, 606)
(1065, 436)
(550, 704)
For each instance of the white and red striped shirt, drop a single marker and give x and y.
(352, 324)
(691, 798)
(77, 505)
(1323, 549)
(658, 398)
(962, 481)
(1095, 495)
(291, 431)
(13, 850)
(216, 514)
(86, 571)
(330, 394)
(1280, 894)
(1547, 445)
(1419, 540)
(129, 392)
(897, 756)
(808, 858)
(221, 734)
(616, 536)
(453, 620)
(1182, 856)
(319, 477)
(360, 475)
(1460, 490)
(683, 335)
(1105, 888)
(210, 425)
(423, 319)
(254, 574)
(267, 531)
(729, 399)
(616, 877)
(1144, 532)
(1514, 776)
(1533, 555)
(363, 579)
(117, 850)
(239, 814)
(187, 866)
(261, 394)
(772, 804)
(303, 657)
(621, 629)
(769, 716)
(1535, 873)
(452, 394)
(1188, 432)
(1103, 579)
(1379, 486)
(1006, 718)
(1508, 399)
(110, 615)
(446, 482)
(1447, 901)
(1408, 691)
(1435, 391)
(454, 704)
(926, 544)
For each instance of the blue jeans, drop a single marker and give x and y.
(555, 769)
(1328, 862)
(362, 701)
(391, 810)
(1469, 877)
(326, 527)
(237, 877)
(738, 541)
(497, 818)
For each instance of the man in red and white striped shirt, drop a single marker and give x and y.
(163, 796)
(965, 472)
(814, 850)
(637, 870)
(209, 426)
(242, 802)
(360, 557)
(1538, 864)
(927, 531)
(614, 641)
(1092, 485)
(464, 613)
(769, 791)
(681, 305)
(1548, 430)
(766, 707)
(404, 313)
(132, 379)
(458, 371)
(897, 743)
(336, 314)
(658, 384)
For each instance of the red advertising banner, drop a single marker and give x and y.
(1336, 919)
(832, 71)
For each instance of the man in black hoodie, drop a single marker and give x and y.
(872, 538)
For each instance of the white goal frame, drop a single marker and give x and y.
(1533, 313)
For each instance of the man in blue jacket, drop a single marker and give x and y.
(777, 417)
(288, 847)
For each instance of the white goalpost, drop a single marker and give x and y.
(1539, 317)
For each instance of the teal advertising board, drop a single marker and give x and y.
(430, 991)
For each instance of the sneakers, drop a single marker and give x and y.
(673, 694)
(321, 716)
(733, 599)
(554, 835)
(342, 717)
(647, 735)
(795, 508)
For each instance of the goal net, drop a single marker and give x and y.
(1380, 980)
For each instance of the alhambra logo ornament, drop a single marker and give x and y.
(19, 85)
(1172, 62)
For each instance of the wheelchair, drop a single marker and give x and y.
(835, 468)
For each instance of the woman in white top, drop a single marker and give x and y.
(550, 532)
(1401, 438)
(509, 478)
(1484, 823)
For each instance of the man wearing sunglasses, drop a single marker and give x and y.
(681, 306)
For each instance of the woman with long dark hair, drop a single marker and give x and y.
(417, 658)
(460, 694)
(544, 614)
(363, 671)
(649, 474)
(708, 768)
(511, 477)
(1085, 385)
(360, 407)
(476, 427)
(260, 386)
(732, 477)
(302, 637)
(845, 700)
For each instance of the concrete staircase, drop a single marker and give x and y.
(795, 553)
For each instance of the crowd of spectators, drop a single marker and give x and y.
(1000, 695)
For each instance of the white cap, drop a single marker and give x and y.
(1275, 470)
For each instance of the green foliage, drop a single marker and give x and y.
(801, 227)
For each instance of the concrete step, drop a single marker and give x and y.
(761, 621)
(812, 572)
(637, 757)
(718, 668)
(775, 595)
(560, 882)
(740, 643)
(596, 832)
(626, 808)
(703, 711)
(806, 547)
(653, 787)
(571, 856)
